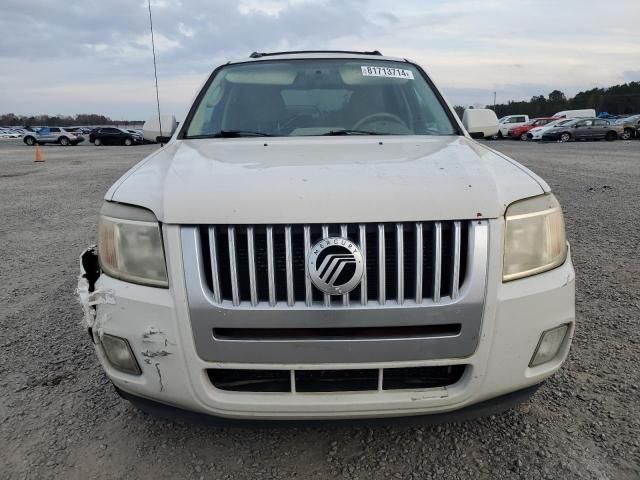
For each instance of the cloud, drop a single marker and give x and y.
(96, 54)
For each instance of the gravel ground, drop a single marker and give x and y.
(60, 418)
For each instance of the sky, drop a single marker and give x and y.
(94, 56)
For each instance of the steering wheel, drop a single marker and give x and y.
(379, 116)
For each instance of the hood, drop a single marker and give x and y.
(325, 179)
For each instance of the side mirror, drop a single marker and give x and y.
(152, 131)
(480, 122)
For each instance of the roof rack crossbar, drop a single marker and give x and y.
(270, 54)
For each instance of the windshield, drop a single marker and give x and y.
(319, 97)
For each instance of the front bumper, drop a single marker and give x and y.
(157, 325)
(551, 137)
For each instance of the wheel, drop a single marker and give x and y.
(30, 141)
(64, 141)
(128, 142)
(627, 134)
(97, 142)
(498, 136)
(565, 137)
(523, 137)
(611, 136)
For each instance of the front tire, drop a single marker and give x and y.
(97, 142)
(565, 137)
(611, 136)
(627, 134)
(64, 141)
(30, 141)
(128, 142)
(498, 136)
(523, 137)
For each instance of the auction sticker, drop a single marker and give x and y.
(389, 72)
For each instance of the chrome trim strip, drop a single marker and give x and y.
(344, 231)
(233, 265)
(270, 267)
(400, 263)
(382, 294)
(325, 234)
(213, 255)
(289, 265)
(437, 262)
(251, 254)
(363, 249)
(308, 293)
(455, 287)
(419, 262)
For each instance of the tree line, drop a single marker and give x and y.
(11, 119)
(617, 100)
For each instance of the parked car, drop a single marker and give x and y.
(584, 113)
(584, 129)
(52, 135)
(508, 122)
(9, 133)
(520, 132)
(362, 256)
(630, 125)
(537, 132)
(113, 136)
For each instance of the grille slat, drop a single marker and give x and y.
(437, 262)
(344, 232)
(382, 266)
(289, 262)
(400, 263)
(418, 260)
(455, 276)
(252, 266)
(271, 270)
(327, 297)
(233, 265)
(213, 259)
(256, 265)
(362, 228)
(308, 292)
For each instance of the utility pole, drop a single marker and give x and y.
(494, 101)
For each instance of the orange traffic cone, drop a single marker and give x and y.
(39, 157)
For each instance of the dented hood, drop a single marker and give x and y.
(325, 179)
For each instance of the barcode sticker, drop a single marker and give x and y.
(389, 72)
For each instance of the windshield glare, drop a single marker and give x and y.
(319, 97)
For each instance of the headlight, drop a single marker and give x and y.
(535, 239)
(130, 245)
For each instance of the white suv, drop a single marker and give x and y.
(323, 239)
(507, 123)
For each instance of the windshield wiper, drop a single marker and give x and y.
(240, 133)
(352, 132)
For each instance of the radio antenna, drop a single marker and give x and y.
(155, 72)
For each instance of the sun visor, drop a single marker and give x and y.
(268, 74)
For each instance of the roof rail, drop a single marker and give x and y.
(270, 54)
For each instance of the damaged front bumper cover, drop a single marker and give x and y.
(89, 296)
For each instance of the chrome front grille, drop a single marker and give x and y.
(266, 265)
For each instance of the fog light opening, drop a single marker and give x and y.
(549, 345)
(119, 354)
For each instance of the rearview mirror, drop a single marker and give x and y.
(159, 131)
(480, 122)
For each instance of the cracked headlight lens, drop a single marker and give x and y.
(130, 245)
(535, 239)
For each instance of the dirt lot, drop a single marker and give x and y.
(60, 417)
